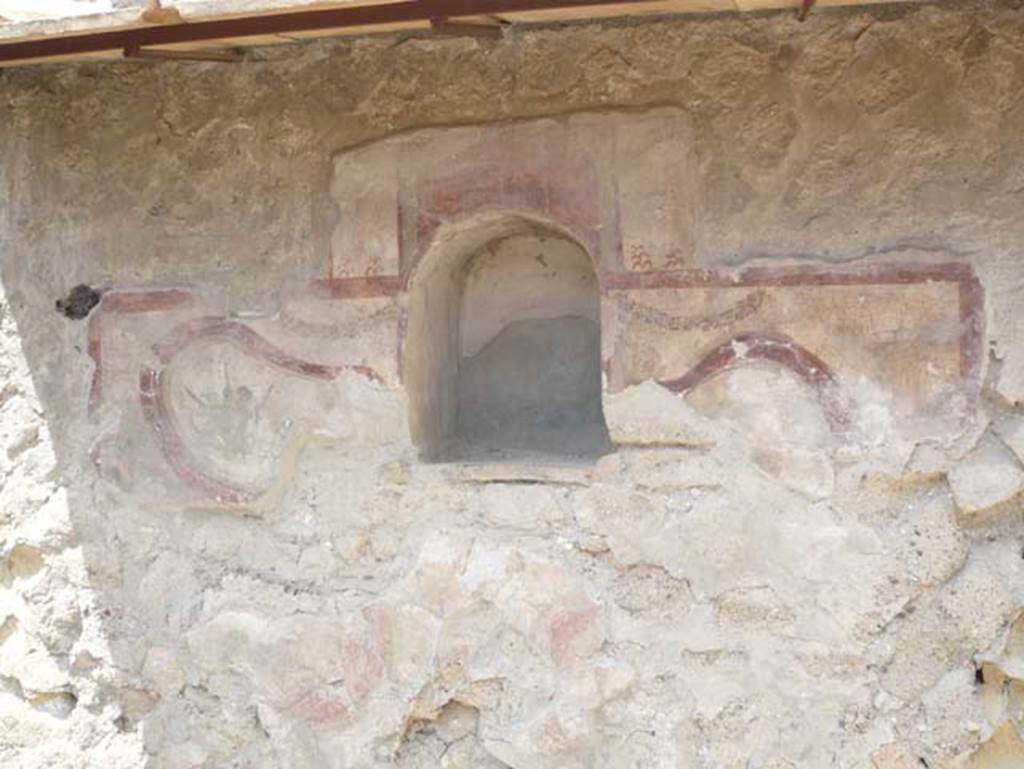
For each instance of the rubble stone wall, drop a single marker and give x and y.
(226, 539)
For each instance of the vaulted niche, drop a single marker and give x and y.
(503, 347)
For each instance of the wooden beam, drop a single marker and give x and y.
(275, 26)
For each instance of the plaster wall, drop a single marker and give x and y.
(221, 546)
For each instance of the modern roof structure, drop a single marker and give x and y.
(36, 31)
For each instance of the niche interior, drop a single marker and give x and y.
(503, 346)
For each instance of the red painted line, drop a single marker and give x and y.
(145, 301)
(181, 460)
(368, 287)
(971, 294)
(882, 274)
(251, 342)
(94, 335)
(780, 349)
(124, 302)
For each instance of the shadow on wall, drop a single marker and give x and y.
(503, 348)
(66, 654)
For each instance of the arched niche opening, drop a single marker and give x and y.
(502, 348)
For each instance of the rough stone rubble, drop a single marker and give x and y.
(737, 585)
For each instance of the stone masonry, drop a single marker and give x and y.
(620, 395)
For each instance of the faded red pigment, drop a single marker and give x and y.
(808, 366)
(558, 186)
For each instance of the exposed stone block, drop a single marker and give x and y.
(990, 475)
